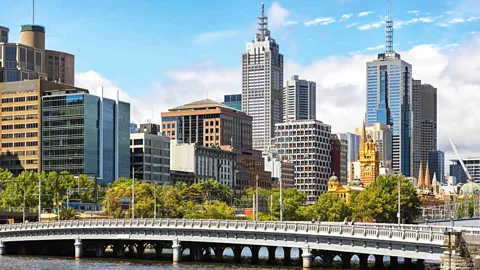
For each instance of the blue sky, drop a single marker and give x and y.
(161, 35)
(162, 54)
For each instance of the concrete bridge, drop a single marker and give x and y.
(326, 240)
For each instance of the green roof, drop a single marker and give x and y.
(33, 27)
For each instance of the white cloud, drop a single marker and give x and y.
(320, 20)
(345, 17)
(426, 19)
(277, 16)
(287, 23)
(472, 18)
(374, 48)
(352, 24)
(209, 37)
(369, 26)
(413, 12)
(364, 13)
(457, 20)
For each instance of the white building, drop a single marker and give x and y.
(306, 143)
(353, 146)
(262, 84)
(299, 99)
(205, 162)
(150, 157)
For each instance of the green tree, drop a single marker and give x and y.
(378, 201)
(209, 190)
(210, 210)
(330, 207)
(68, 213)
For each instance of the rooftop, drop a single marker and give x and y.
(202, 104)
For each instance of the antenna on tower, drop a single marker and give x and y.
(262, 26)
(389, 30)
(33, 12)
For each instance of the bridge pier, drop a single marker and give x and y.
(78, 248)
(393, 262)
(407, 262)
(328, 258)
(346, 257)
(287, 255)
(197, 251)
(218, 250)
(363, 261)
(378, 261)
(2, 248)
(254, 250)
(158, 250)
(177, 251)
(307, 258)
(100, 250)
(237, 254)
(119, 250)
(420, 264)
(140, 247)
(271, 255)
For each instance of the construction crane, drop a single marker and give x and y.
(470, 178)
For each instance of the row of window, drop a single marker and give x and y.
(19, 117)
(19, 99)
(19, 162)
(19, 135)
(19, 153)
(20, 126)
(20, 108)
(20, 144)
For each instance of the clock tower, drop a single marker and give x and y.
(369, 160)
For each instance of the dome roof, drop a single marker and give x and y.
(470, 188)
(333, 178)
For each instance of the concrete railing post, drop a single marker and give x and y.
(2, 248)
(177, 251)
(78, 248)
(476, 262)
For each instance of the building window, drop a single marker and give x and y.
(138, 142)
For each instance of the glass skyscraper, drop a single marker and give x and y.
(436, 164)
(389, 99)
(234, 101)
(82, 133)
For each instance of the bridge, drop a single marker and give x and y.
(326, 240)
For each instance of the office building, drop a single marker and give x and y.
(262, 84)
(133, 127)
(436, 162)
(281, 170)
(19, 62)
(150, 155)
(29, 60)
(21, 122)
(234, 101)
(60, 67)
(207, 122)
(473, 167)
(424, 104)
(339, 154)
(306, 143)
(381, 135)
(204, 162)
(83, 133)
(389, 94)
(353, 144)
(299, 99)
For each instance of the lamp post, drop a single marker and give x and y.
(399, 186)
(155, 200)
(133, 189)
(39, 199)
(256, 197)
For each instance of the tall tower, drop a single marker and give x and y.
(389, 97)
(299, 99)
(369, 161)
(262, 72)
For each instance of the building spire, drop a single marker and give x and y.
(363, 138)
(262, 26)
(33, 12)
(389, 30)
(420, 177)
(427, 178)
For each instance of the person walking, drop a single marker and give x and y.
(345, 221)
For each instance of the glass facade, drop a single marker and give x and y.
(436, 164)
(79, 136)
(389, 93)
(233, 101)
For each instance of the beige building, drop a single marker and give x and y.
(60, 67)
(21, 122)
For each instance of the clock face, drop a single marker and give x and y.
(367, 168)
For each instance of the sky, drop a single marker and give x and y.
(161, 54)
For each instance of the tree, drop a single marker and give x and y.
(378, 201)
(209, 190)
(330, 207)
(209, 210)
(68, 213)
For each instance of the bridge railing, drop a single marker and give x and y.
(410, 233)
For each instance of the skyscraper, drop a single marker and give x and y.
(389, 94)
(234, 101)
(436, 162)
(262, 72)
(424, 129)
(299, 99)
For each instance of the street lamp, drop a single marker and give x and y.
(256, 198)
(398, 187)
(133, 189)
